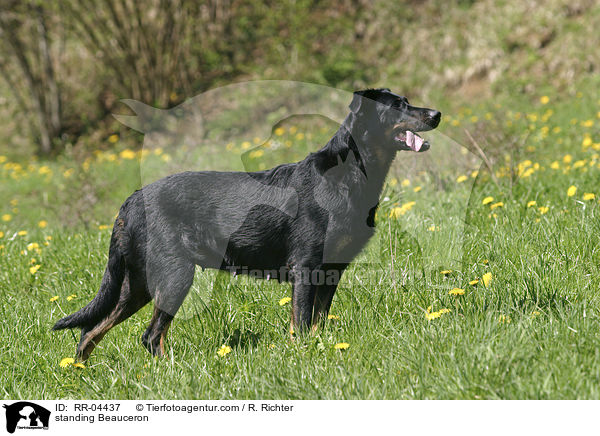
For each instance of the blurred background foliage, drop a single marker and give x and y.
(65, 64)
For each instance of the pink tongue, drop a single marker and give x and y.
(413, 141)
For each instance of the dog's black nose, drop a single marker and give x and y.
(434, 118)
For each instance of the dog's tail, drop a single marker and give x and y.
(108, 295)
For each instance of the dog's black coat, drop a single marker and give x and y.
(294, 220)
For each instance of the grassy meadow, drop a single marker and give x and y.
(513, 314)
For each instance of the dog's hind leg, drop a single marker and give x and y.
(173, 278)
(154, 336)
(133, 297)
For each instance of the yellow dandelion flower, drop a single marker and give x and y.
(587, 123)
(70, 297)
(79, 365)
(446, 272)
(33, 246)
(6, 217)
(579, 164)
(103, 227)
(486, 278)
(224, 350)
(300, 136)
(293, 129)
(284, 301)
(34, 269)
(432, 315)
(1, 234)
(431, 228)
(341, 346)
(43, 224)
(544, 99)
(256, 154)
(397, 212)
(127, 154)
(487, 200)
(44, 169)
(279, 131)
(22, 232)
(474, 282)
(333, 317)
(456, 291)
(417, 188)
(543, 209)
(503, 319)
(113, 138)
(589, 196)
(531, 203)
(405, 183)
(474, 174)
(48, 238)
(461, 179)
(536, 313)
(555, 165)
(571, 191)
(246, 145)
(54, 298)
(495, 205)
(567, 158)
(66, 362)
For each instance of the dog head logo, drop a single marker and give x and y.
(26, 415)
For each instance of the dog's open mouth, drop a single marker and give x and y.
(413, 141)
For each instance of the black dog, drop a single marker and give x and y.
(302, 222)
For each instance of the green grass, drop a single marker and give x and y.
(532, 333)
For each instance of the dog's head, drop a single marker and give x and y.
(382, 116)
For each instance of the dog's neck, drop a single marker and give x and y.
(369, 162)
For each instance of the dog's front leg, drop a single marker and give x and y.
(323, 299)
(303, 297)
